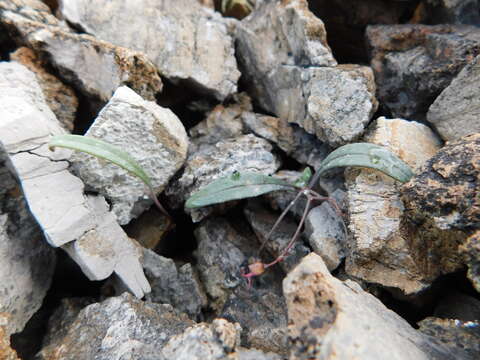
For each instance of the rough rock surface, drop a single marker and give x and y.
(414, 63)
(454, 333)
(261, 220)
(184, 40)
(119, 327)
(55, 197)
(152, 135)
(331, 319)
(26, 261)
(290, 75)
(74, 56)
(471, 253)
(448, 12)
(245, 153)
(326, 232)
(35, 10)
(455, 112)
(6, 352)
(60, 97)
(380, 251)
(178, 287)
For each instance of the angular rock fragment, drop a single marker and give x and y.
(26, 261)
(261, 221)
(455, 334)
(96, 67)
(456, 111)
(471, 253)
(331, 319)
(178, 287)
(184, 40)
(245, 153)
(289, 73)
(60, 97)
(381, 252)
(152, 135)
(414, 63)
(35, 10)
(326, 232)
(81, 224)
(117, 327)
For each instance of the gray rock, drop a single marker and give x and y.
(451, 12)
(26, 261)
(55, 197)
(261, 220)
(381, 251)
(455, 111)
(203, 341)
(178, 287)
(246, 153)
(414, 63)
(289, 74)
(152, 135)
(326, 232)
(254, 354)
(331, 319)
(184, 40)
(119, 327)
(35, 10)
(74, 56)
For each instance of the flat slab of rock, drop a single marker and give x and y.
(81, 224)
(331, 319)
(27, 263)
(152, 135)
(414, 63)
(117, 327)
(291, 73)
(183, 39)
(380, 252)
(456, 110)
(74, 56)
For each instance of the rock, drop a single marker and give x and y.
(331, 319)
(203, 341)
(254, 354)
(326, 232)
(245, 153)
(154, 137)
(74, 56)
(118, 327)
(471, 253)
(382, 251)
(455, 111)
(6, 352)
(34, 10)
(261, 220)
(80, 223)
(60, 97)
(290, 76)
(448, 12)
(149, 229)
(195, 46)
(454, 334)
(446, 189)
(414, 63)
(27, 263)
(178, 287)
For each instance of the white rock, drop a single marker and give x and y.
(152, 135)
(185, 40)
(55, 197)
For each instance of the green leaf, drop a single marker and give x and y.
(366, 155)
(100, 149)
(234, 187)
(302, 180)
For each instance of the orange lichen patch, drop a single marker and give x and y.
(6, 352)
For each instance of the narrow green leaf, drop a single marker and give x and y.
(302, 180)
(366, 155)
(234, 187)
(100, 149)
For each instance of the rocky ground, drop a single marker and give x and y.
(194, 91)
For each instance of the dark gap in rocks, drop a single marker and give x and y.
(346, 20)
(87, 111)
(186, 101)
(415, 308)
(52, 4)
(7, 45)
(289, 163)
(68, 281)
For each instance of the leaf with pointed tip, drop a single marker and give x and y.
(365, 155)
(302, 180)
(234, 187)
(100, 149)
